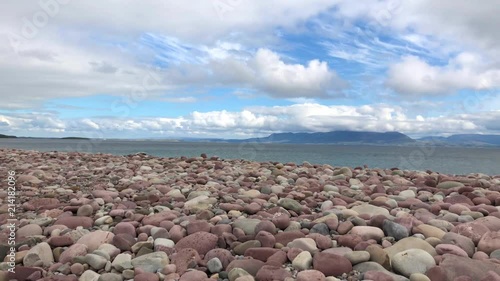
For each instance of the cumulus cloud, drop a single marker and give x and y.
(76, 71)
(197, 21)
(294, 80)
(262, 120)
(423, 34)
(87, 48)
(414, 76)
(266, 72)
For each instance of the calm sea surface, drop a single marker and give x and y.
(452, 160)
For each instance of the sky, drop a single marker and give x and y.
(248, 68)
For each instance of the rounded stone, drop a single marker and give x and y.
(419, 277)
(302, 261)
(95, 239)
(265, 226)
(146, 276)
(489, 242)
(310, 275)
(202, 242)
(323, 262)
(39, 255)
(223, 255)
(356, 257)
(85, 211)
(108, 276)
(74, 222)
(193, 275)
(368, 232)
(214, 265)
(29, 230)
(125, 228)
(442, 249)
(412, 261)
(95, 261)
(271, 273)
(395, 230)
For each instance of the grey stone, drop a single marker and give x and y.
(320, 228)
(151, 262)
(214, 265)
(394, 230)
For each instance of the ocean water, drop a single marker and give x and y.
(451, 160)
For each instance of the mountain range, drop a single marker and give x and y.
(353, 137)
(464, 139)
(337, 137)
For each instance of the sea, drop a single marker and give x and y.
(448, 160)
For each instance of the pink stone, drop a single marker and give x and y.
(202, 242)
(344, 227)
(442, 249)
(223, 255)
(185, 259)
(125, 228)
(286, 237)
(159, 217)
(262, 253)
(492, 223)
(293, 253)
(123, 241)
(146, 276)
(177, 233)
(278, 258)
(323, 262)
(251, 266)
(265, 226)
(377, 275)
(104, 193)
(197, 226)
(73, 251)
(266, 239)
(74, 222)
(95, 239)
(489, 242)
(281, 220)
(368, 232)
(60, 241)
(310, 275)
(473, 230)
(29, 230)
(194, 275)
(271, 273)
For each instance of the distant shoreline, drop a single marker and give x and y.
(326, 138)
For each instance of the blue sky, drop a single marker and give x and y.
(240, 69)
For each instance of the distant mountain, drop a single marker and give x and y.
(6, 136)
(338, 137)
(74, 138)
(64, 138)
(465, 139)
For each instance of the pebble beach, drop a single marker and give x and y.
(101, 217)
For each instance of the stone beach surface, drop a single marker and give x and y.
(100, 217)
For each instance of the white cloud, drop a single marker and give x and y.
(196, 21)
(294, 80)
(188, 99)
(262, 120)
(87, 48)
(413, 76)
(90, 47)
(49, 69)
(421, 31)
(461, 22)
